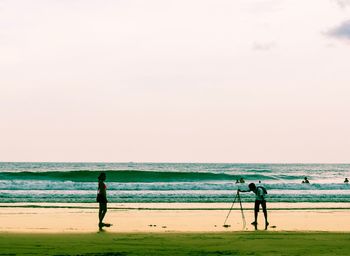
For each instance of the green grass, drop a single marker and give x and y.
(194, 244)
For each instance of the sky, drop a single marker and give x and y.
(175, 81)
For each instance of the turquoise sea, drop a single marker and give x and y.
(170, 182)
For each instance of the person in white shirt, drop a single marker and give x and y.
(260, 193)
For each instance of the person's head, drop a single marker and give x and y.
(305, 178)
(252, 187)
(102, 176)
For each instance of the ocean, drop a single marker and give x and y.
(170, 182)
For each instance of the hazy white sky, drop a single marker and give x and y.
(178, 81)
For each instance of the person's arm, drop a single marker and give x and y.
(240, 190)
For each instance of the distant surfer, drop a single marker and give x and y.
(260, 193)
(241, 180)
(102, 200)
(346, 181)
(305, 181)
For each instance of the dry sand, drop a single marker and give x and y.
(82, 218)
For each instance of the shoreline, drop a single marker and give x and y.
(165, 218)
(185, 206)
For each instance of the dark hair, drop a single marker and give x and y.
(252, 186)
(102, 176)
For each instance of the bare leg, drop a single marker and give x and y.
(100, 218)
(255, 216)
(255, 220)
(265, 215)
(256, 209)
(101, 215)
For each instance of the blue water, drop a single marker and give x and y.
(171, 182)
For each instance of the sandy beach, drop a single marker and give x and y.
(177, 217)
(173, 229)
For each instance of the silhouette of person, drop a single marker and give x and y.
(346, 181)
(260, 193)
(241, 180)
(305, 180)
(102, 199)
(237, 181)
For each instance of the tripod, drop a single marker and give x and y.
(240, 203)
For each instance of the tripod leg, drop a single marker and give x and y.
(234, 200)
(243, 218)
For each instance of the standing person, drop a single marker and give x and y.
(102, 200)
(260, 193)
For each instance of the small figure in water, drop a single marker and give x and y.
(260, 193)
(241, 180)
(305, 180)
(237, 181)
(102, 200)
(346, 181)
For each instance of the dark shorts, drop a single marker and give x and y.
(103, 206)
(257, 204)
(101, 199)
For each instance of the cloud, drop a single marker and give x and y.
(263, 46)
(342, 31)
(342, 3)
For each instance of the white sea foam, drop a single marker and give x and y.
(131, 182)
